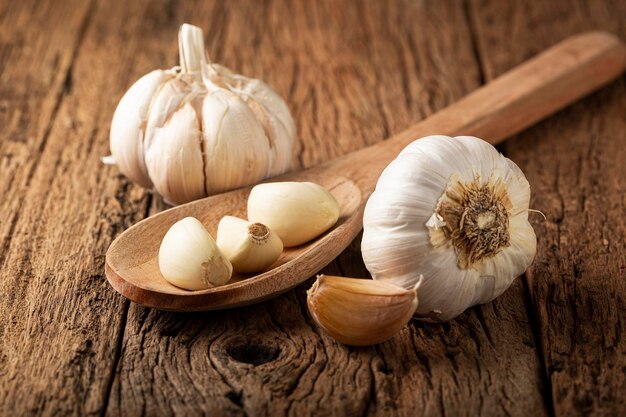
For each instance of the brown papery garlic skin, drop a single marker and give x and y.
(360, 312)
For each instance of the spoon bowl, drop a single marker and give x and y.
(505, 106)
(132, 261)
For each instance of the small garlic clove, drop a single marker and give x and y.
(174, 158)
(250, 247)
(236, 151)
(190, 259)
(360, 312)
(296, 211)
(127, 135)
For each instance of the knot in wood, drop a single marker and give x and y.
(253, 352)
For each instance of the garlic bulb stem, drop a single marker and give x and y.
(191, 49)
(193, 58)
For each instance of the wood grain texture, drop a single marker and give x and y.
(60, 322)
(575, 163)
(353, 74)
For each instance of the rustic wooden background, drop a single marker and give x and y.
(353, 73)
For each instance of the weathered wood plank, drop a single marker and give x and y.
(353, 73)
(575, 164)
(60, 320)
(33, 81)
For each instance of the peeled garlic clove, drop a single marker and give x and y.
(174, 158)
(360, 312)
(235, 147)
(296, 211)
(189, 257)
(126, 136)
(250, 247)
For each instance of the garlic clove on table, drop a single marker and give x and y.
(190, 259)
(250, 247)
(360, 312)
(296, 211)
(455, 211)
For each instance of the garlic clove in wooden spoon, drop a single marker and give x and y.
(250, 247)
(296, 211)
(189, 257)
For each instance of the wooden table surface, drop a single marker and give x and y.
(353, 73)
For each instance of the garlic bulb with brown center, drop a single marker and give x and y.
(200, 129)
(455, 211)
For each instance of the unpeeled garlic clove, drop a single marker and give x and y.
(296, 211)
(235, 147)
(189, 257)
(250, 247)
(169, 97)
(276, 120)
(127, 135)
(360, 312)
(174, 158)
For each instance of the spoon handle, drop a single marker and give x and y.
(505, 106)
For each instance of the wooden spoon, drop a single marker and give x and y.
(503, 107)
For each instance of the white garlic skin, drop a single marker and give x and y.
(236, 151)
(246, 248)
(234, 131)
(127, 127)
(296, 211)
(174, 159)
(278, 124)
(190, 259)
(400, 216)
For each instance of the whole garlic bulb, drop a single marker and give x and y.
(455, 211)
(199, 129)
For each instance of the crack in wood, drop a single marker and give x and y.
(116, 358)
(534, 325)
